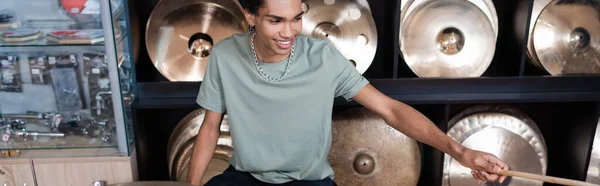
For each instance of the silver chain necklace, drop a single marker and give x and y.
(259, 68)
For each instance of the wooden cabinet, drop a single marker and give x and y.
(65, 171)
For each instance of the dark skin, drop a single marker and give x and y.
(277, 24)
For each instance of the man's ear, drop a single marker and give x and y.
(249, 18)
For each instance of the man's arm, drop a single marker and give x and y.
(204, 146)
(412, 123)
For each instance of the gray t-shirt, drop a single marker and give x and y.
(281, 131)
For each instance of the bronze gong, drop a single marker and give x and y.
(365, 150)
(451, 38)
(348, 24)
(502, 131)
(181, 33)
(564, 36)
(181, 142)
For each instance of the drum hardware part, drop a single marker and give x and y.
(99, 103)
(548, 179)
(564, 37)
(455, 38)
(347, 24)
(35, 135)
(181, 33)
(100, 183)
(365, 150)
(502, 131)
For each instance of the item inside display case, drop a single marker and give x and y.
(38, 66)
(84, 36)
(9, 67)
(8, 19)
(20, 35)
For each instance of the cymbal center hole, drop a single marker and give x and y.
(200, 45)
(325, 30)
(450, 41)
(579, 38)
(364, 164)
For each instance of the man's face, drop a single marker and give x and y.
(277, 24)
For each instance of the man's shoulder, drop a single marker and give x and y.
(229, 45)
(313, 44)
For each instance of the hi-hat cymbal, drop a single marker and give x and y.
(181, 143)
(502, 131)
(348, 24)
(566, 37)
(180, 34)
(453, 38)
(152, 183)
(367, 151)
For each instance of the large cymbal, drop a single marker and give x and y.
(348, 24)
(502, 131)
(180, 34)
(452, 38)
(181, 142)
(367, 151)
(566, 37)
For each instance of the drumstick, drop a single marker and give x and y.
(548, 179)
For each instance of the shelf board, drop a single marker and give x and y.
(418, 91)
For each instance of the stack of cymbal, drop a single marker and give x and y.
(348, 24)
(564, 36)
(503, 131)
(181, 144)
(451, 38)
(180, 34)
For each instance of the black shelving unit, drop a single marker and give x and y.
(511, 80)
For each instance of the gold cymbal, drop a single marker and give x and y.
(348, 24)
(566, 37)
(181, 143)
(367, 151)
(502, 131)
(451, 38)
(180, 34)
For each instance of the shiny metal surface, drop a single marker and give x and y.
(180, 147)
(593, 172)
(565, 38)
(152, 183)
(348, 24)
(180, 34)
(502, 131)
(365, 150)
(453, 38)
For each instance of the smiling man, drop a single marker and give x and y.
(277, 87)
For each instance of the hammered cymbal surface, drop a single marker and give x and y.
(566, 37)
(367, 151)
(180, 34)
(502, 131)
(348, 24)
(451, 38)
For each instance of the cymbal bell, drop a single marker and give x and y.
(367, 151)
(180, 34)
(566, 37)
(453, 38)
(348, 24)
(502, 131)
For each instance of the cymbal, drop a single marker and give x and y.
(181, 33)
(453, 38)
(367, 151)
(152, 183)
(348, 24)
(181, 144)
(566, 37)
(502, 131)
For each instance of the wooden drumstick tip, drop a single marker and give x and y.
(548, 179)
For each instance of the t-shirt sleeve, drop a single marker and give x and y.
(210, 95)
(347, 78)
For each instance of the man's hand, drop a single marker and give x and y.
(483, 165)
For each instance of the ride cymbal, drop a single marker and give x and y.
(181, 144)
(566, 37)
(348, 24)
(180, 34)
(452, 38)
(502, 131)
(365, 150)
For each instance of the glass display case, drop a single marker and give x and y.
(67, 78)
